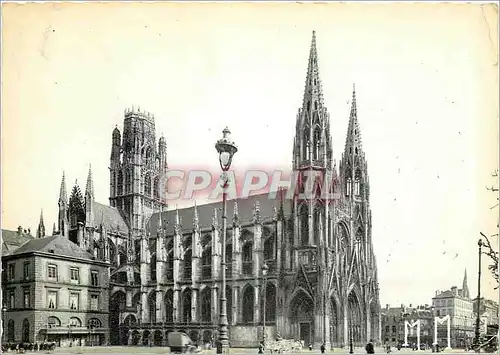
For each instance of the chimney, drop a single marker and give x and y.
(387, 306)
(19, 230)
(410, 305)
(454, 290)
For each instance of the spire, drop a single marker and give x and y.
(235, 214)
(89, 190)
(353, 138)
(40, 233)
(63, 196)
(160, 222)
(313, 93)
(196, 218)
(177, 226)
(465, 287)
(256, 213)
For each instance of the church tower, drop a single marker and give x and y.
(137, 169)
(354, 177)
(312, 157)
(63, 209)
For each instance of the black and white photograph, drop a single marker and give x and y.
(249, 177)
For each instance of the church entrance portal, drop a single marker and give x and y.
(302, 317)
(305, 333)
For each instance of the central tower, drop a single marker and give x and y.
(137, 169)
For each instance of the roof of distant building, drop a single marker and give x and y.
(450, 294)
(11, 240)
(56, 244)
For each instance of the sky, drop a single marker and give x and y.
(427, 93)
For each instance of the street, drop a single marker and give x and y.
(166, 350)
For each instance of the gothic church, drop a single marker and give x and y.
(322, 284)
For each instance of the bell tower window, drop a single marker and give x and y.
(348, 187)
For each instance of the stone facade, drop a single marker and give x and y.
(55, 291)
(322, 284)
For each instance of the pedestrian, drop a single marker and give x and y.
(322, 348)
(261, 348)
(370, 349)
(310, 346)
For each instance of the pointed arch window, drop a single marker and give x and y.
(128, 180)
(206, 306)
(315, 105)
(187, 264)
(156, 188)
(147, 185)
(317, 138)
(247, 258)
(304, 225)
(348, 187)
(357, 183)
(186, 306)
(248, 304)
(119, 183)
(305, 144)
(317, 221)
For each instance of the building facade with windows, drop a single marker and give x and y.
(393, 324)
(457, 304)
(54, 291)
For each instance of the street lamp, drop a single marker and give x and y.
(226, 149)
(477, 335)
(4, 310)
(265, 268)
(351, 345)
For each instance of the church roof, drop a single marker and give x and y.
(110, 217)
(56, 244)
(11, 240)
(206, 213)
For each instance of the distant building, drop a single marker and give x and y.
(393, 324)
(53, 290)
(457, 304)
(488, 311)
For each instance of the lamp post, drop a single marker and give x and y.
(226, 149)
(478, 320)
(4, 310)
(351, 345)
(265, 268)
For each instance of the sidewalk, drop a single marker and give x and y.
(165, 350)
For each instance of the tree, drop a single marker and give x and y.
(489, 250)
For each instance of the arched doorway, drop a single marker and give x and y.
(116, 306)
(335, 326)
(302, 317)
(354, 319)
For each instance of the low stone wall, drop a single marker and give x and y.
(249, 336)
